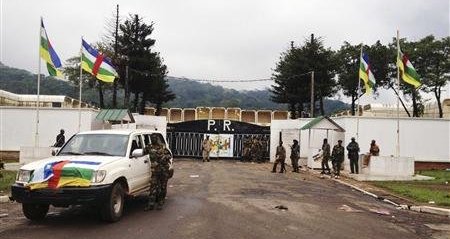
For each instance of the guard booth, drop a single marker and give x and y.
(116, 118)
(318, 129)
(227, 137)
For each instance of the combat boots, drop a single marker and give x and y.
(150, 206)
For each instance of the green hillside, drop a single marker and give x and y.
(189, 93)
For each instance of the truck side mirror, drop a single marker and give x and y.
(137, 153)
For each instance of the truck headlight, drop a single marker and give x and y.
(98, 176)
(23, 176)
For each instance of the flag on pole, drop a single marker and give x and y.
(407, 70)
(49, 55)
(365, 73)
(97, 64)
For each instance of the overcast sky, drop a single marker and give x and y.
(218, 39)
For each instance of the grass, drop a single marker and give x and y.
(8, 177)
(437, 190)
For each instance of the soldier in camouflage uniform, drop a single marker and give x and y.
(159, 158)
(325, 157)
(295, 156)
(246, 148)
(353, 155)
(280, 157)
(337, 157)
(264, 153)
(259, 149)
(254, 149)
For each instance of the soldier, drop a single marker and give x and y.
(245, 148)
(353, 151)
(260, 149)
(337, 157)
(295, 156)
(254, 149)
(325, 157)
(159, 158)
(60, 139)
(280, 157)
(264, 144)
(206, 148)
(374, 149)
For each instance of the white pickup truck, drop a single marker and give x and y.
(95, 168)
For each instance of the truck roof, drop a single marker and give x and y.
(120, 131)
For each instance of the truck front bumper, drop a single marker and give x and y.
(61, 196)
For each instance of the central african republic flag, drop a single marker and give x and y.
(97, 63)
(63, 174)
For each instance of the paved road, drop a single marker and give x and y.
(230, 199)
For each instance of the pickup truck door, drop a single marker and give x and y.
(139, 166)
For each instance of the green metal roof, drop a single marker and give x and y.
(311, 123)
(113, 115)
(315, 121)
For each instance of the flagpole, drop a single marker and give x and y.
(398, 98)
(357, 95)
(80, 82)
(38, 102)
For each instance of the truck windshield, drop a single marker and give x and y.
(96, 144)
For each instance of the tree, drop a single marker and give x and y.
(320, 60)
(146, 71)
(72, 71)
(111, 44)
(135, 44)
(409, 91)
(289, 86)
(348, 76)
(434, 65)
(292, 76)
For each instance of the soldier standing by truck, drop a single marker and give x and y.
(160, 159)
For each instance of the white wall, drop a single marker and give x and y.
(151, 122)
(289, 129)
(423, 139)
(18, 125)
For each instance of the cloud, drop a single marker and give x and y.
(220, 39)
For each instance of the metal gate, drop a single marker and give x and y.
(185, 138)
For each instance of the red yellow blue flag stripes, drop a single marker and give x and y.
(65, 173)
(97, 64)
(365, 73)
(407, 71)
(49, 55)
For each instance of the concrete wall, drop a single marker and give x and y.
(423, 139)
(289, 130)
(151, 122)
(390, 166)
(18, 125)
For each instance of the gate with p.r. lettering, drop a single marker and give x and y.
(228, 137)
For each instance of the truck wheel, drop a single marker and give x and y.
(35, 212)
(112, 209)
